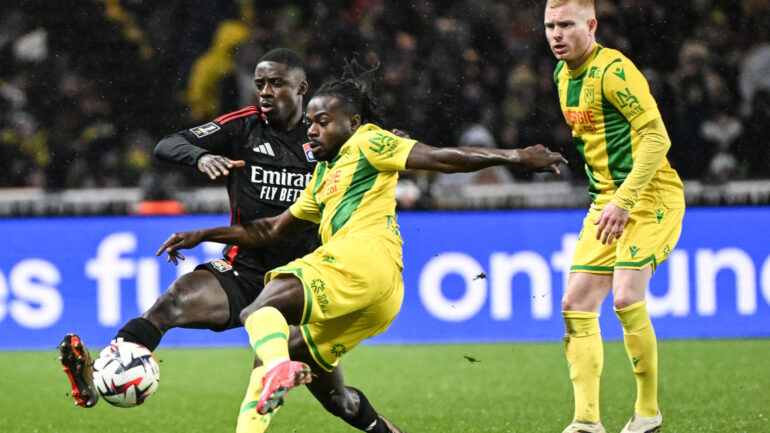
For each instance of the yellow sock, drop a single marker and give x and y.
(642, 349)
(268, 335)
(585, 355)
(249, 421)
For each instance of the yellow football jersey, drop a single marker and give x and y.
(605, 101)
(354, 194)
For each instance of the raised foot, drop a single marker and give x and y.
(278, 381)
(76, 363)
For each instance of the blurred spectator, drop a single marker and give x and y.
(203, 90)
(753, 147)
(754, 75)
(722, 131)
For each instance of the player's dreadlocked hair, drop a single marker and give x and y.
(355, 89)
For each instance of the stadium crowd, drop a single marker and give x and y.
(87, 87)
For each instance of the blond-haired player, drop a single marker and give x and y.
(635, 218)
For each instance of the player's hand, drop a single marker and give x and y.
(539, 158)
(217, 165)
(611, 222)
(179, 241)
(401, 133)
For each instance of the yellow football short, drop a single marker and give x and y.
(353, 291)
(648, 238)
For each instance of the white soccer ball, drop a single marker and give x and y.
(126, 374)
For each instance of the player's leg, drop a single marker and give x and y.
(589, 282)
(345, 402)
(325, 343)
(267, 322)
(650, 236)
(348, 403)
(319, 292)
(583, 345)
(641, 344)
(194, 300)
(249, 419)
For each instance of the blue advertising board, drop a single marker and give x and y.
(492, 276)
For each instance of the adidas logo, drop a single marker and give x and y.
(265, 148)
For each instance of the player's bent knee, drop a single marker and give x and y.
(341, 405)
(168, 310)
(245, 313)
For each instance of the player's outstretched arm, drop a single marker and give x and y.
(259, 232)
(177, 149)
(465, 159)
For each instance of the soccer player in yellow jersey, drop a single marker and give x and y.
(350, 288)
(636, 216)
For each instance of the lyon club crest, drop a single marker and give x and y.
(308, 152)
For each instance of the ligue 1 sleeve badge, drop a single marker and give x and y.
(308, 152)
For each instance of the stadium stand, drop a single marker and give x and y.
(86, 92)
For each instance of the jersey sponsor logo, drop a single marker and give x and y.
(620, 72)
(384, 143)
(204, 130)
(308, 152)
(281, 185)
(265, 148)
(338, 349)
(319, 287)
(332, 183)
(280, 178)
(221, 265)
(579, 117)
(628, 103)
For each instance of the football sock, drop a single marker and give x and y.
(642, 349)
(249, 421)
(366, 419)
(268, 335)
(140, 331)
(585, 356)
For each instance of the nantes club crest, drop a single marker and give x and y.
(588, 95)
(308, 152)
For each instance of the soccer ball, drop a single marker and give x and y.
(126, 374)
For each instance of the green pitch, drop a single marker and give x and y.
(705, 386)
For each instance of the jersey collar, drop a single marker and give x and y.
(577, 72)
